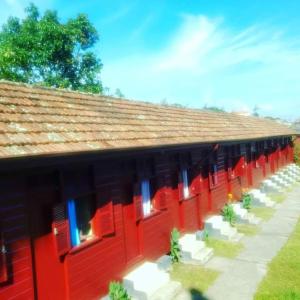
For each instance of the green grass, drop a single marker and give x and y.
(283, 278)
(278, 198)
(224, 248)
(265, 213)
(194, 278)
(248, 229)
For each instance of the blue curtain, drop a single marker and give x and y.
(75, 241)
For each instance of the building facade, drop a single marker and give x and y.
(92, 186)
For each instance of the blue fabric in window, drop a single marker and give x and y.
(75, 240)
(146, 197)
(185, 182)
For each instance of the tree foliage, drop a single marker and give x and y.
(41, 49)
(213, 108)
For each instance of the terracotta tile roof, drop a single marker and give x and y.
(36, 121)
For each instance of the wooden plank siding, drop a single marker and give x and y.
(16, 239)
(219, 193)
(36, 271)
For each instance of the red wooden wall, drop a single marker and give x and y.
(33, 267)
(15, 235)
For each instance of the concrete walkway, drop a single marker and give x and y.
(241, 276)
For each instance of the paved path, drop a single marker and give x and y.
(241, 276)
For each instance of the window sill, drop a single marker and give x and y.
(152, 214)
(85, 245)
(189, 197)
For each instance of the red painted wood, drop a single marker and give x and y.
(85, 272)
(90, 270)
(205, 196)
(156, 242)
(131, 234)
(219, 193)
(190, 214)
(50, 280)
(18, 277)
(3, 260)
(60, 228)
(137, 200)
(106, 218)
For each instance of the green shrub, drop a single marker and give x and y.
(117, 291)
(175, 252)
(246, 199)
(297, 153)
(205, 235)
(229, 214)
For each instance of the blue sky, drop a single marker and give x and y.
(229, 53)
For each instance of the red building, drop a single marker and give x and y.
(92, 186)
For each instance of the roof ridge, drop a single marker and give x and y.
(106, 97)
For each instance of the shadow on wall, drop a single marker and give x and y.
(197, 295)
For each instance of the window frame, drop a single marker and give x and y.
(146, 202)
(73, 222)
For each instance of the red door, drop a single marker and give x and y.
(49, 268)
(249, 168)
(131, 231)
(205, 204)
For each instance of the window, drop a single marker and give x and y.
(213, 176)
(231, 167)
(146, 197)
(257, 160)
(80, 220)
(185, 183)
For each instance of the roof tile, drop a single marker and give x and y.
(39, 121)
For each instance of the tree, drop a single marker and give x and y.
(119, 94)
(213, 108)
(255, 111)
(41, 49)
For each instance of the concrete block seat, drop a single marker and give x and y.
(292, 174)
(243, 216)
(148, 282)
(216, 227)
(293, 169)
(259, 198)
(286, 177)
(268, 186)
(279, 181)
(194, 251)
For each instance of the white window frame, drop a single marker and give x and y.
(146, 197)
(185, 183)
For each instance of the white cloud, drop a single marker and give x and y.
(206, 61)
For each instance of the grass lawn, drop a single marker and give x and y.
(283, 278)
(247, 229)
(278, 198)
(196, 279)
(265, 213)
(224, 248)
